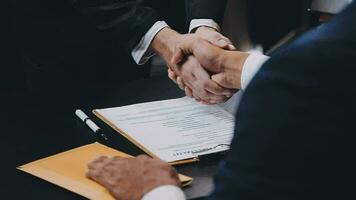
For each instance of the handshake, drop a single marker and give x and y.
(205, 64)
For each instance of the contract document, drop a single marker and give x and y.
(173, 130)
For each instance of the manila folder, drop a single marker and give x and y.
(68, 170)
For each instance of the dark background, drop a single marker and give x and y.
(278, 16)
(11, 71)
(33, 126)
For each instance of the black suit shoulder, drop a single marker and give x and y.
(84, 23)
(295, 125)
(125, 22)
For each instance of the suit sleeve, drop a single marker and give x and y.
(124, 21)
(291, 132)
(205, 9)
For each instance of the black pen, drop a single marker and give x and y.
(84, 118)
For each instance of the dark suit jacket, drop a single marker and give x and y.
(269, 21)
(295, 127)
(206, 9)
(91, 40)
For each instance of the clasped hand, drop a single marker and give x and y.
(205, 67)
(207, 71)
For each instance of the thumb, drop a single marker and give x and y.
(222, 42)
(183, 48)
(178, 56)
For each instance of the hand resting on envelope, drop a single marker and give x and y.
(131, 178)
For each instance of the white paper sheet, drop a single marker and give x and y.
(175, 129)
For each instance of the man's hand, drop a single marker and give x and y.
(209, 97)
(192, 73)
(131, 178)
(194, 76)
(225, 65)
(215, 38)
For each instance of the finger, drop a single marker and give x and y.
(231, 47)
(113, 164)
(98, 176)
(116, 159)
(205, 102)
(180, 83)
(188, 92)
(225, 43)
(178, 56)
(216, 89)
(207, 97)
(196, 97)
(170, 71)
(201, 94)
(221, 41)
(97, 162)
(208, 84)
(143, 157)
(94, 175)
(99, 159)
(184, 48)
(205, 52)
(215, 99)
(222, 79)
(172, 76)
(96, 169)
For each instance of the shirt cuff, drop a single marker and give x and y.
(251, 66)
(195, 23)
(165, 192)
(142, 52)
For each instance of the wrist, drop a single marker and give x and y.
(233, 63)
(164, 43)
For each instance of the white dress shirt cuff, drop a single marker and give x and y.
(165, 192)
(142, 52)
(195, 23)
(251, 66)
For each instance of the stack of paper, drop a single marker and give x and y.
(174, 130)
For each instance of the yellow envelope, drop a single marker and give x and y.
(68, 170)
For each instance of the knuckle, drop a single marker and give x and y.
(143, 157)
(107, 167)
(91, 165)
(205, 84)
(202, 93)
(100, 159)
(116, 158)
(219, 90)
(94, 174)
(166, 167)
(217, 36)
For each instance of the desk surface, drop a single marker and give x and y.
(34, 127)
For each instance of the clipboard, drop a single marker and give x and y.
(139, 145)
(176, 130)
